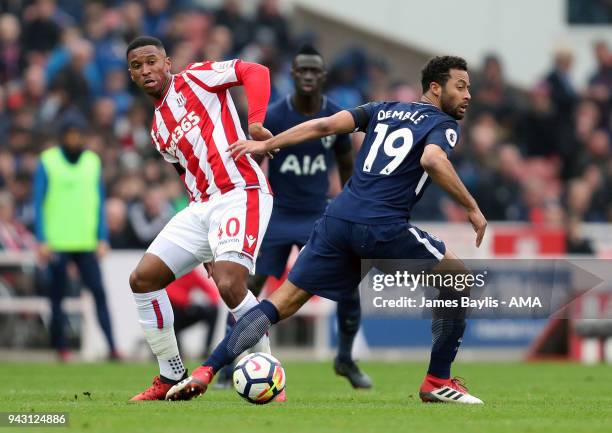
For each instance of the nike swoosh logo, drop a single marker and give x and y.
(257, 366)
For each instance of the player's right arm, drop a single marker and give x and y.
(437, 165)
(340, 123)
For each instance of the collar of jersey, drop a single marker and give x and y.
(292, 108)
(424, 103)
(161, 100)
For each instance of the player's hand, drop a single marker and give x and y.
(242, 147)
(210, 266)
(258, 132)
(43, 254)
(102, 249)
(479, 224)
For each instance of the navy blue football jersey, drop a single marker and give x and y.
(388, 178)
(299, 174)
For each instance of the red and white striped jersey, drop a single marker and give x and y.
(196, 121)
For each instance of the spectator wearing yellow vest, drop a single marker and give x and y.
(70, 223)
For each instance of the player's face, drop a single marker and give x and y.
(455, 95)
(309, 74)
(72, 140)
(149, 68)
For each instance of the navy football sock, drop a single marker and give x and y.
(228, 370)
(447, 335)
(447, 329)
(246, 333)
(230, 321)
(349, 319)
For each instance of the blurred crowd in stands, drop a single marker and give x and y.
(540, 155)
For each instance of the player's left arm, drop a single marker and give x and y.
(437, 165)
(271, 127)
(434, 160)
(255, 78)
(340, 123)
(344, 157)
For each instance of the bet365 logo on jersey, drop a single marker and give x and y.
(187, 123)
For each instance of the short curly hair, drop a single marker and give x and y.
(437, 70)
(143, 41)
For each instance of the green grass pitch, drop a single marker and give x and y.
(548, 397)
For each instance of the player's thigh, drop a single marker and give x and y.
(407, 242)
(89, 269)
(174, 257)
(151, 274)
(273, 256)
(183, 243)
(450, 263)
(302, 228)
(176, 250)
(326, 266)
(237, 225)
(288, 299)
(285, 230)
(415, 250)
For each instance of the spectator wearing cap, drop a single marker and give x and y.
(70, 223)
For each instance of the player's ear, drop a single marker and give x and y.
(131, 75)
(435, 88)
(168, 63)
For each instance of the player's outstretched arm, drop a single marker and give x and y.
(340, 123)
(435, 162)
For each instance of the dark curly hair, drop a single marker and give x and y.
(437, 70)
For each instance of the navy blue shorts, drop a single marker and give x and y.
(285, 230)
(330, 263)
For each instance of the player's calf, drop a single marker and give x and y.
(247, 331)
(231, 279)
(156, 318)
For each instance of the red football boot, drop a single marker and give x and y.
(194, 386)
(157, 391)
(436, 390)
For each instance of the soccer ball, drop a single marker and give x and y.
(259, 377)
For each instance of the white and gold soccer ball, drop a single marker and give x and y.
(259, 377)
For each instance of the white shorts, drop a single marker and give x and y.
(227, 227)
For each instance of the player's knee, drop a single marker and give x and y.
(232, 289)
(136, 282)
(140, 282)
